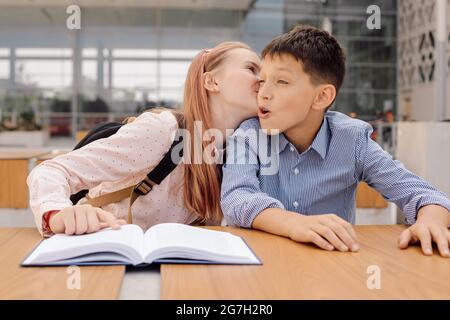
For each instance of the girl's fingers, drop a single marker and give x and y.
(319, 241)
(80, 219)
(103, 225)
(330, 236)
(106, 225)
(92, 221)
(69, 221)
(440, 238)
(107, 217)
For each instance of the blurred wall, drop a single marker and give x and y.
(416, 49)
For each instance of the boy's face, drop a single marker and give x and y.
(286, 93)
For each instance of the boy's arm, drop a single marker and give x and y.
(241, 196)
(327, 231)
(397, 184)
(244, 204)
(422, 204)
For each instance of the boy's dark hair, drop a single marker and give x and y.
(322, 56)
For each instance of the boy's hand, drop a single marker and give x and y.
(80, 219)
(327, 231)
(431, 226)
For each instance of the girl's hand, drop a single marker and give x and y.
(80, 219)
(431, 226)
(327, 231)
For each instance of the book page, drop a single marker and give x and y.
(201, 243)
(128, 241)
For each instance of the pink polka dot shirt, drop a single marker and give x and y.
(111, 164)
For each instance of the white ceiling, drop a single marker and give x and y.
(191, 4)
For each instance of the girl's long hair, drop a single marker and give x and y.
(202, 181)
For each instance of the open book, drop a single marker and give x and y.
(162, 243)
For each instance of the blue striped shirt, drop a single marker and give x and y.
(320, 180)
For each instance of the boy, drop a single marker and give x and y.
(322, 155)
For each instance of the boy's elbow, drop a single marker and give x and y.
(231, 212)
(228, 213)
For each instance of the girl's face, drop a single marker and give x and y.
(238, 82)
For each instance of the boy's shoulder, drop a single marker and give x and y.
(339, 122)
(252, 123)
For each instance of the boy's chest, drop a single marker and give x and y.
(308, 181)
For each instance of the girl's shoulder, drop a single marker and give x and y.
(164, 118)
(158, 127)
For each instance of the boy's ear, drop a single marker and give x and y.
(325, 97)
(210, 82)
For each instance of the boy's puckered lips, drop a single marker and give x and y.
(263, 112)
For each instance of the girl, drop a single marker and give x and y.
(220, 92)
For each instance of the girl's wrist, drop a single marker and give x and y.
(46, 222)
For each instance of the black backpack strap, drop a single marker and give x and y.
(103, 130)
(161, 171)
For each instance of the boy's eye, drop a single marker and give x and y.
(282, 82)
(261, 81)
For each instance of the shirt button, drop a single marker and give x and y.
(296, 171)
(292, 148)
(295, 204)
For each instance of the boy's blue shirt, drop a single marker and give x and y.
(322, 179)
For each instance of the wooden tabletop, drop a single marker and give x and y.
(21, 153)
(292, 270)
(49, 282)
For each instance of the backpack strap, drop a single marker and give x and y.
(154, 177)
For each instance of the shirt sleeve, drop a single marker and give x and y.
(137, 146)
(241, 196)
(393, 180)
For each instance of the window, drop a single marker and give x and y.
(44, 74)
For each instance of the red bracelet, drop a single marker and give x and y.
(46, 230)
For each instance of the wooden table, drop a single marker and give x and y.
(14, 169)
(297, 271)
(290, 271)
(49, 282)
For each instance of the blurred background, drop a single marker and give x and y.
(128, 56)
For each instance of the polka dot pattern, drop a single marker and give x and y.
(111, 164)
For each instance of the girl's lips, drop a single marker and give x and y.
(263, 113)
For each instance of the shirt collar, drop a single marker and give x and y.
(320, 142)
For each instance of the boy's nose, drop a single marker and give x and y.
(262, 94)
